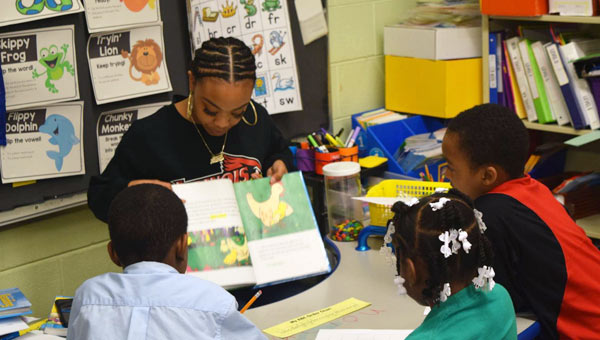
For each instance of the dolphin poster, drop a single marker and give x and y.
(39, 66)
(18, 11)
(112, 126)
(112, 15)
(43, 142)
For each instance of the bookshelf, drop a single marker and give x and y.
(590, 224)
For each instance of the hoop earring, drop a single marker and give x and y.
(255, 116)
(190, 105)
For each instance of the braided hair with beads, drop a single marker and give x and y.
(225, 58)
(417, 231)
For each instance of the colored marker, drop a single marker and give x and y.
(251, 301)
(330, 138)
(348, 138)
(316, 143)
(354, 135)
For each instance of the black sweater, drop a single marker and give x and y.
(167, 147)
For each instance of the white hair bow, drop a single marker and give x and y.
(445, 249)
(399, 281)
(485, 278)
(445, 293)
(439, 204)
(479, 219)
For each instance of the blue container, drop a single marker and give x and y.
(384, 139)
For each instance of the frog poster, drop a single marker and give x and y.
(112, 125)
(264, 25)
(18, 11)
(39, 66)
(128, 64)
(43, 142)
(111, 15)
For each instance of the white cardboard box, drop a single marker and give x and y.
(573, 7)
(432, 42)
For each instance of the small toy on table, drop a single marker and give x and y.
(346, 231)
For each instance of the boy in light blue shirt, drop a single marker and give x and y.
(152, 299)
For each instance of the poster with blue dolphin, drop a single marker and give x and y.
(18, 11)
(43, 142)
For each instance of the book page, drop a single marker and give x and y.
(283, 237)
(218, 248)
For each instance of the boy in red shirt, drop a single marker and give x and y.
(545, 260)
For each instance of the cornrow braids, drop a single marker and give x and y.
(225, 58)
(417, 231)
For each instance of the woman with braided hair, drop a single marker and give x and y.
(216, 132)
(443, 259)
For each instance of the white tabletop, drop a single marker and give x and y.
(362, 275)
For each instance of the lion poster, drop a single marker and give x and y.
(128, 64)
(111, 15)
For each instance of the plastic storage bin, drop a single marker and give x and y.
(380, 214)
(514, 7)
(342, 182)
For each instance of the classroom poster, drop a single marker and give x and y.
(43, 142)
(128, 64)
(18, 11)
(264, 25)
(39, 66)
(111, 15)
(112, 126)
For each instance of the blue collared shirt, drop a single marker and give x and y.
(151, 300)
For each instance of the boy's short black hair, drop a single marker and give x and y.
(144, 221)
(493, 134)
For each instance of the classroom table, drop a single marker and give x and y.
(362, 275)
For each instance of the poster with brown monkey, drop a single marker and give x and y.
(128, 64)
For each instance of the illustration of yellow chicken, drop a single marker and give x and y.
(237, 247)
(271, 211)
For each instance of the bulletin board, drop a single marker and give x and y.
(59, 193)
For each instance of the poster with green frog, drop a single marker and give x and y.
(39, 66)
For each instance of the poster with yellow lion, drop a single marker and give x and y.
(128, 64)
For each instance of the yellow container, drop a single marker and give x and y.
(438, 88)
(380, 213)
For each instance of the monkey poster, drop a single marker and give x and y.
(18, 11)
(43, 142)
(128, 64)
(113, 124)
(111, 15)
(265, 27)
(39, 66)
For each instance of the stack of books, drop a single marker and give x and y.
(546, 75)
(378, 116)
(13, 305)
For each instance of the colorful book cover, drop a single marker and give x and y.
(13, 303)
(53, 325)
(492, 66)
(555, 97)
(522, 92)
(577, 118)
(536, 84)
(510, 86)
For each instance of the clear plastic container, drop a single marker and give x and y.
(342, 182)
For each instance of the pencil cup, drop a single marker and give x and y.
(322, 159)
(305, 159)
(344, 214)
(349, 154)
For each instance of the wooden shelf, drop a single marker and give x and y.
(552, 18)
(567, 130)
(591, 225)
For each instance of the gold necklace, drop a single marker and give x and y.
(214, 158)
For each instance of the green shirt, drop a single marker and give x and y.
(470, 314)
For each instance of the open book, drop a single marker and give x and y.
(251, 232)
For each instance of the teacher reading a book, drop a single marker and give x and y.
(216, 132)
